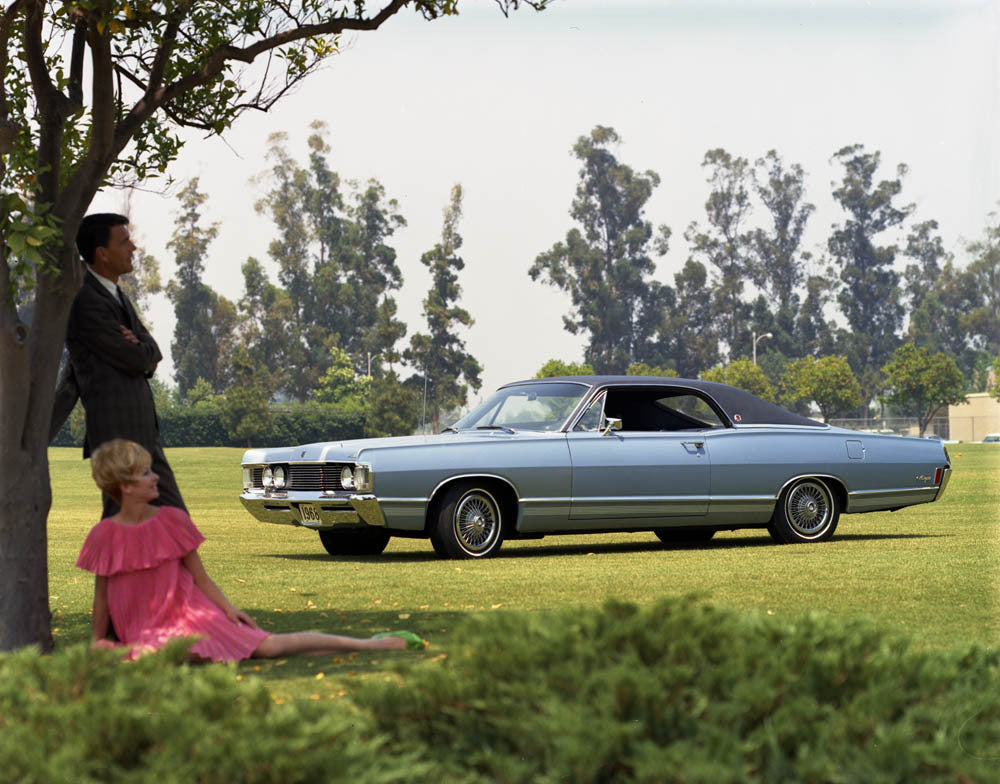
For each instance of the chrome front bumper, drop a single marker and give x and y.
(331, 512)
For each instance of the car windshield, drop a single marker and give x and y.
(525, 407)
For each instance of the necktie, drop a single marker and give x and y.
(124, 302)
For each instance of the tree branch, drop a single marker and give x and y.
(217, 60)
(76, 59)
(8, 128)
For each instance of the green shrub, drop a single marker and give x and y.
(685, 692)
(192, 426)
(677, 691)
(83, 716)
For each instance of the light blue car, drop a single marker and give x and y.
(677, 457)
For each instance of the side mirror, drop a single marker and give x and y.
(610, 424)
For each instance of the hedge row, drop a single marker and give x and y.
(180, 426)
(675, 692)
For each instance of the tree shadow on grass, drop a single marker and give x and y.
(518, 549)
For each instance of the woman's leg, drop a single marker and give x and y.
(316, 643)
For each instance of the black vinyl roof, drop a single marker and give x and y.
(739, 406)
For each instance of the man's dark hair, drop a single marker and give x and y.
(95, 232)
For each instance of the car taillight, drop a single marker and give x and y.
(937, 475)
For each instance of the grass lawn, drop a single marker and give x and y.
(929, 572)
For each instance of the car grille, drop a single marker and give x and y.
(315, 477)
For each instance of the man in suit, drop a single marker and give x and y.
(112, 356)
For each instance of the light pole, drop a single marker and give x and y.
(757, 337)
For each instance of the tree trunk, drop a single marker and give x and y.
(29, 363)
(25, 497)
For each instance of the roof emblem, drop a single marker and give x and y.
(737, 418)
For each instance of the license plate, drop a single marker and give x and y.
(309, 514)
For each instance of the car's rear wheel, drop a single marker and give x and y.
(684, 535)
(468, 523)
(368, 541)
(806, 512)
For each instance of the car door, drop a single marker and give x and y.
(636, 474)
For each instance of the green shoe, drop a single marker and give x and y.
(413, 642)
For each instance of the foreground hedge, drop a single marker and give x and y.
(83, 716)
(690, 693)
(674, 692)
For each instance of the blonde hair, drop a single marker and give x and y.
(116, 462)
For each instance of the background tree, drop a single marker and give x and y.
(642, 369)
(606, 267)
(334, 262)
(777, 264)
(689, 326)
(556, 367)
(393, 407)
(94, 92)
(817, 334)
(245, 408)
(984, 279)
(743, 374)
(921, 383)
(439, 356)
(725, 245)
(828, 382)
(203, 332)
(870, 294)
(342, 386)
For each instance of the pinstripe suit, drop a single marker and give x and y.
(110, 375)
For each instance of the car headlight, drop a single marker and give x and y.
(347, 478)
(267, 477)
(279, 477)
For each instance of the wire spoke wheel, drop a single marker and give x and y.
(808, 508)
(468, 524)
(475, 522)
(807, 512)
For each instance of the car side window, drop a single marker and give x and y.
(660, 410)
(594, 416)
(694, 407)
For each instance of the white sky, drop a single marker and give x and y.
(497, 105)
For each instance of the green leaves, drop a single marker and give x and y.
(921, 383)
(30, 239)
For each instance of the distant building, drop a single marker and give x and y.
(972, 421)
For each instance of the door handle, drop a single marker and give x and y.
(695, 444)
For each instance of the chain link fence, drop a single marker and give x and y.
(900, 426)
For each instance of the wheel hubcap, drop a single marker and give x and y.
(809, 509)
(476, 523)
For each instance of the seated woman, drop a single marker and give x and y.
(152, 585)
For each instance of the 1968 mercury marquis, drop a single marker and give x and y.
(677, 457)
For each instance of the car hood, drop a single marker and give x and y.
(353, 449)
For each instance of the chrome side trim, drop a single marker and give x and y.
(864, 493)
(813, 476)
(641, 498)
(480, 475)
(740, 499)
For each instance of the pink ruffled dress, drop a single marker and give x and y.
(152, 597)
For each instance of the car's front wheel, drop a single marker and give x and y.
(367, 541)
(806, 512)
(468, 523)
